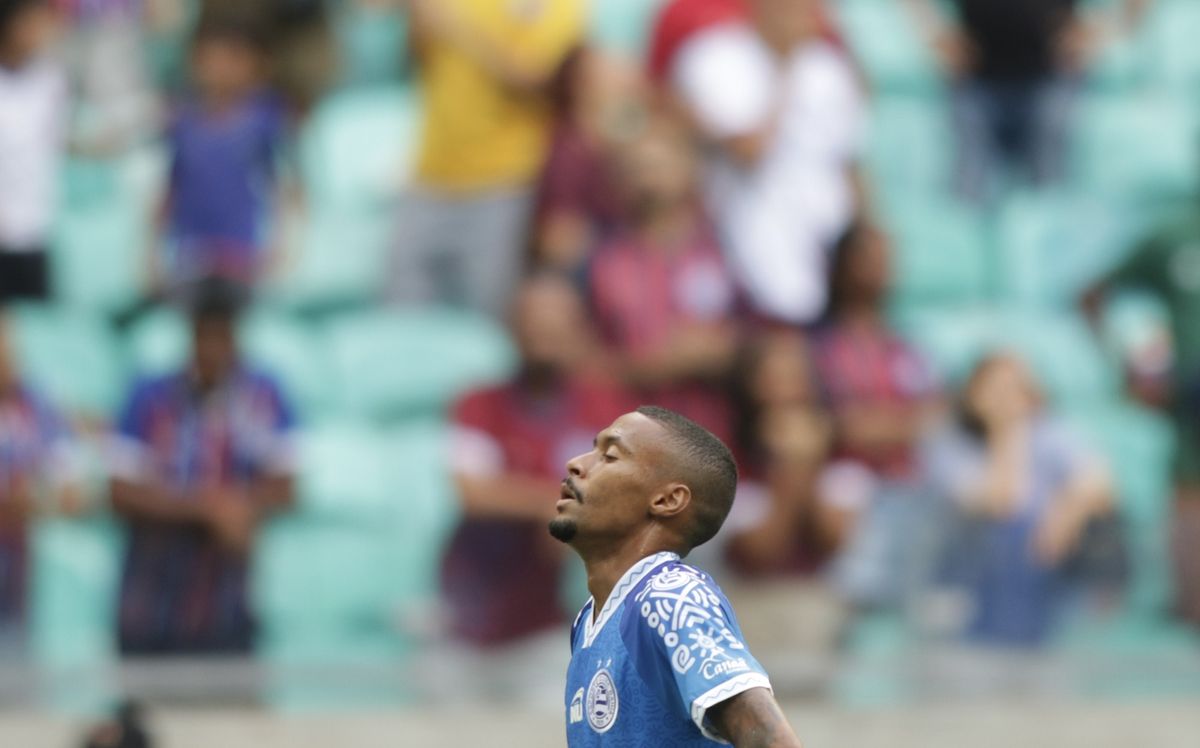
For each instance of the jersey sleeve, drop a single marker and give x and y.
(682, 636)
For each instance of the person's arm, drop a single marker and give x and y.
(702, 350)
(146, 501)
(753, 719)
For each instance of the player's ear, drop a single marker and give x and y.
(671, 500)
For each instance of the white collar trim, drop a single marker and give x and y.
(627, 582)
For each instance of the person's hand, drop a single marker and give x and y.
(231, 519)
(955, 53)
(1080, 44)
(704, 349)
(795, 435)
(1057, 534)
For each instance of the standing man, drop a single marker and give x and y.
(484, 68)
(658, 657)
(501, 573)
(201, 457)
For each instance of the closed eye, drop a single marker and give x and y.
(610, 456)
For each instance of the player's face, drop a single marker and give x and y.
(607, 492)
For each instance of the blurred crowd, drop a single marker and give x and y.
(691, 223)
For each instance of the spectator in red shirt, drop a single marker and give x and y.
(661, 293)
(777, 537)
(602, 104)
(500, 572)
(880, 392)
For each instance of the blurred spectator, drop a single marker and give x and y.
(881, 393)
(37, 473)
(1025, 490)
(783, 107)
(33, 122)
(116, 105)
(303, 52)
(500, 574)
(485, 69)
(1167, 264)
(201, 457)
(777, 537)
(1017, 66)
(784, 438)
(662, 296)
(224, 143)
(602, 105)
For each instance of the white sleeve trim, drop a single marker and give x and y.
(724, 692)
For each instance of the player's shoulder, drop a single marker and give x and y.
(677, 595)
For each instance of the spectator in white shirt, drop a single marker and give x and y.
(32, 123)
(784, 111)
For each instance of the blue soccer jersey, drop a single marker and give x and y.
(665, 648)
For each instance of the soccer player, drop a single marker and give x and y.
(657, 655)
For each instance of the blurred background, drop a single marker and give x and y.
(307, 302)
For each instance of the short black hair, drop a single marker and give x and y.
(708, 469)
(216, 299)
(10, 9)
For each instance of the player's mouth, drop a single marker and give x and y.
(569, 494)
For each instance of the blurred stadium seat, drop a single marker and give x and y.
(73, 356)
(907, 156)
(393, 363)
(624, 26)
(1057, 243)
(941, 252)
(1059, 347)
(337, 253)
(1141, 148)
(885, 43)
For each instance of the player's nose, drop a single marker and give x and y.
(575, 466)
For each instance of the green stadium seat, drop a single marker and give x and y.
(393, 363)
(103, 235)
(1054, 245)
(338, 171)
(1169, 42)
(624, 26)
(374, 44)
(1059, 346)
(340, 255)
(1143, 148)
(336, 579)
(339, 259)
(939, 252)
(76, 568)
(883, 40)
(284, 346)
(98, 255)
(910, 149)
(73, 357)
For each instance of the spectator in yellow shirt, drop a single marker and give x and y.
(485, 68)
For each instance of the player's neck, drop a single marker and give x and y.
(605, 569)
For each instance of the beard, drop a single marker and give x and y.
(563, 529)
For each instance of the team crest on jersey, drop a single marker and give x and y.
(602, 702)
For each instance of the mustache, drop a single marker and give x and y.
(572, 489)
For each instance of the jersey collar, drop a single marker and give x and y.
(630, 579)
